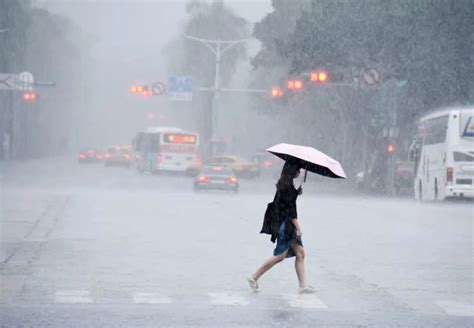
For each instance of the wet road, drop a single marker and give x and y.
(89, 246)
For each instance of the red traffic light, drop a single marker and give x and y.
(319, 76)
(391, 148)
(29, 96)
(295, 84)
(276, 92)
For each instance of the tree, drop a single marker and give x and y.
(275, 30)
(426, 43)
(41, 43)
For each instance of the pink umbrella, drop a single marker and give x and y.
(310, 159)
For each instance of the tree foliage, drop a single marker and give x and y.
(41, 43)
(427, 43)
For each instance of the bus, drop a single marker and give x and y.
(443, 152)
(167, 149)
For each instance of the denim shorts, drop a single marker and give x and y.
(283, 244)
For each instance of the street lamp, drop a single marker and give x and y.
(218, 48)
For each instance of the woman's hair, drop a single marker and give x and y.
(288, 173)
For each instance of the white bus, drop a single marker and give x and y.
(167, 149)
(443, 151)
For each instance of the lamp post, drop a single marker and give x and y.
(218, 48)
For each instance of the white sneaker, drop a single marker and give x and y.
(307, 290)
(253, 284)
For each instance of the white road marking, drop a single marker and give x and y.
(306, 301)
(150, 298)
(227, 299)
(457, 308)
(73, 296)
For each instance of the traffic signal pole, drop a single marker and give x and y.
(218, 48)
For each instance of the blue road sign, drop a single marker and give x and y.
(180, 88)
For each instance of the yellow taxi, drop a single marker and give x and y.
(241, 167)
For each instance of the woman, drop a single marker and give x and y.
(289, 243)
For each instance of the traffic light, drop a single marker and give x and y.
(141, 90)
(138, 88)
(276, 92)
(319, 76)
(391, 148)
(295, 84)
(29, 96)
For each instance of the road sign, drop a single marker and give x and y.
(180, 88)
(26, 81)
(371, 76)
(8, 81)
(158, 88)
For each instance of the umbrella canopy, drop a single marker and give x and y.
(310, 159)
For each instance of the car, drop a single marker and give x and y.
(90, 155)
(118, 156)
(242, 167)
(216, 178)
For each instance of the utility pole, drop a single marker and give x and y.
(5, 133)
(218, 48)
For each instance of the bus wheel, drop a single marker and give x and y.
(436, 190)
(420, 191)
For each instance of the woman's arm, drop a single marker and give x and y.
(296, 224)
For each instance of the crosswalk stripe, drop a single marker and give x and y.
(73, 296)
(150, 298)
(227, 299)
(457, 308)
(309, 301)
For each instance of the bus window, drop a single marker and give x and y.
(463, 157)
(435, 130)
(467, 125)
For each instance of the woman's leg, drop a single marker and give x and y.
(268, 264)
(299, 264)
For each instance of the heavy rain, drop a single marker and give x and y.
(236, 163)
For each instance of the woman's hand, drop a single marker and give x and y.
(298, 233)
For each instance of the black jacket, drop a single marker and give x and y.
(285, 205)
(281, 210)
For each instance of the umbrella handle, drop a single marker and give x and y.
(305, 173)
